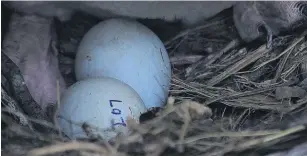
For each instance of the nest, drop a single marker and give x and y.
(227, 97)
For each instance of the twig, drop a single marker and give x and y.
(246, 93)
(186, 119)
(256, 105)
(62, 147)
(177, 45)
(294, 43)
(186, 32)
(282, 65)
(186, 59)
(254, 142)
(230, 134)
(207, 62)
(269, 37)
(269, 138)
(240, 118)
(13, 107)
(16, 130)
(57, 109)
(41, 122)
(298, 104)
(193, 89)
(255, 55)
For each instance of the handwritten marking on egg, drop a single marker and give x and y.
(102, 103)
(130, 52)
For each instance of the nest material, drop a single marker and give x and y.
(227, 98)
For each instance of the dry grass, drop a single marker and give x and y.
(221, 103)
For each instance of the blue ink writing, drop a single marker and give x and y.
(116, 111)
(120, 123)
(111, 102)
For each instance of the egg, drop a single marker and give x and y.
(99, 105)
(130, 52)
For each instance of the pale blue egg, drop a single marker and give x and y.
(130, 52)
(102, 104)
